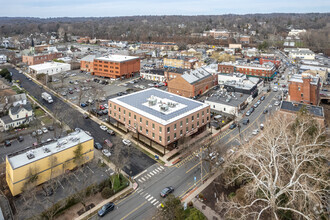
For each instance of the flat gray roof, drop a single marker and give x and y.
(137, 103)
(234, 101)
(20, 158)
(295, 107)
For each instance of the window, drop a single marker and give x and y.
(203, 121)
(140, 120)
(197, 123)
(197, 115)
(153, 126)
(110, 105)
(207, 118)
(160, 138)
(168, 138)
(180, 123)
(119, 109)
(124, 119)
(114, 107)
(124, 111)
(147, 131)
(192, 127)
(135, 117)
(168, 129)
(140, 128)
(180, 132)
(207, 111)
(202, 113)
(186, 129)
(187, 120)
(129, 122)
(153, 135)
(114, 115)
(119, 117)
(147, 122)
(192, 118)
(174, 135)
(302, 95)
(110, 112)
(160, 129)
(174, 126)
(129, 114)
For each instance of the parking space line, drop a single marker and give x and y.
(76, 177)
(151, 173)
(143, 179)
(90, 169)
(60, 184)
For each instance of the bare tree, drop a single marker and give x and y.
(282, 172)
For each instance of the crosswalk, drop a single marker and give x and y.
(149, 174)
(185, 160)
(154, 201)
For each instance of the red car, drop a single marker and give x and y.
(283, 86)
(102, 107)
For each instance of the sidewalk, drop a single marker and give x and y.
(207, 211)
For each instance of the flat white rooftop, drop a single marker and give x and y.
(49, 65)
(158, 105)
(117, 58)
(27, 156)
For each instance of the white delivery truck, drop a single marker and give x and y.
(47, 97)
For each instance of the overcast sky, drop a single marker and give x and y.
(110, 8)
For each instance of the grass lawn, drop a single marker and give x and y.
(39, 112)
(47, 120)
(17, 90)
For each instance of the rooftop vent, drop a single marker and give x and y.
(45, 149)
(30, 155)
(152, 100)
(163, 107)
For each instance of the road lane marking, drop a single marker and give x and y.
(194, 167)
(149, 175)
(143, 179)
(150, 198)
(154, 172)
(133, 210)
(147, 196)
(153, 201)
(156, 203)
(139, 180)
(161, 167)
(139, 190)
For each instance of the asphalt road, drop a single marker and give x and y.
(138, 161)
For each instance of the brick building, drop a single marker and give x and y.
(171, 73)
(192, 83)
(266, 70)
(40, 58)
(304, 88)
(244, 39)
(116, 66)
(272, 60)
(87, 62)
(159, 118)
(226, 67)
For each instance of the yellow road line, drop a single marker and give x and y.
(133, 210)
(194, 167)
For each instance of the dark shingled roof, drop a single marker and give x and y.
(295, 107)
(16, 109)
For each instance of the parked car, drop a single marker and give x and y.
(44, 130)
(85, 115)
(119, 94)
(126, 142)
(34, 134)
(255, 132)
(108, 143)
(51, 128)
(100, 113)
(103, 127)
(106, 106)
(106, 152)
(111, 132)
(102, 107)
(245, 121)
(265, 111)
(105, 209)
(220, 161)
(262, 98)
(20, 138)
(166, 191)
(232, 126)
(7, 143)
(277, 103)
(39, 132)
(261, 126)
(255, 105)
(105, 111)
(83, 104)
(98, 146)
(248, 113)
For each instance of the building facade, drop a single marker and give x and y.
(116, 66)
(226, 67)
(266, 70)
(154, 75)
(40, 58)
(17, 115)
(304, 88)
(49, 68)
(159, 118)
(192, 83)
(180, 62)
(38, 165)
(87, 63)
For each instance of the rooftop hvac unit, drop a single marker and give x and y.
(30, 155)
(163, 107)
(45, 149)
(152, 100)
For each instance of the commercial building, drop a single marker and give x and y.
(87, 62)
(304, 88)
(40, 58)
(36, 165)
(244, 39)
(116, 66)
(301, 53)
(157, 75)
(159, 118)
(180, 62)
(238, 82)
(49, 68)
(226, 67)
(229, 103)
(266, 70)
(192, 83)
(290, 110)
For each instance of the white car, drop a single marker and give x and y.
(44, 130)
(213, 155)
(106, 152)
(255, 132)
(277, 103)
(103, 127)
(106, 106)
(126, 142)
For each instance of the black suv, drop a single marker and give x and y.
(7, 143)
(20, 138)
(105, 209)
(166, 191)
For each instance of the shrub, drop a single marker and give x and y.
(190, 204)
(231, 195)
(106, 193)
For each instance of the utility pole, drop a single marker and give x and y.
(201, 153)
